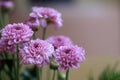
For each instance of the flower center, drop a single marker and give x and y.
(59, 39)
(36, 45)
(67, 51)
(18, 28)
(32, 20)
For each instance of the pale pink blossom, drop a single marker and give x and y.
(16, 33)
(47, 16)
(69, 57)
(58, 41)
(33, 22)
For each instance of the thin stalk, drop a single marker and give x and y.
(2, 56)
(37, 72)
(57, 75)
(0, 76)
(17, 67)
(14, 68)
(6, 56)
(1, 21)
(67, 74)
(6, 19)
(44, 33)
(48, 73)
(41, 74)
(43, 37)
(34, 35)
(53, 78)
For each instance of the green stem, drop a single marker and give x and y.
(67, 74)
(41, 74)
(53, 78)
(43, 37)
(2, 56)
(17, 67)
(37, 72)
(34, 35)
(14, 68)
(0, 76)
(6, 17)
(44, 33)
(1, 21)
(48, 73)
(6, 56)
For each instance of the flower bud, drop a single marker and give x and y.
(53, 65)
(61, 76)
(33, 23)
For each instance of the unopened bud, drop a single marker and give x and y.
(61, 76)
(54, 65)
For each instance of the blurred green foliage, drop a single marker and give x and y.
(109, 73)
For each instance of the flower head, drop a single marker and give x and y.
(69, 57)
(58, 41)
(16, 33)
(36, 52)
(47, 16)
(33, 23)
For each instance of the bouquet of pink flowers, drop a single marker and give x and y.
(20, 46)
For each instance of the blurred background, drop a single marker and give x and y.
(92, 24)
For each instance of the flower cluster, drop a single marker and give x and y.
(20, 39)
(67, 55)
(38, 51)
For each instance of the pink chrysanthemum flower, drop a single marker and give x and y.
(47, 16)
(36, 52)
(16, 33)
(33, 23)
(69, 57)
(58, 41)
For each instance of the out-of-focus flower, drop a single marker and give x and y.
(33, 22)
(58, 41)
(69, 57)
(6, 4)
(47, 16)
(1, 47)
(36, 52)
(16, 33)
(4, 47)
